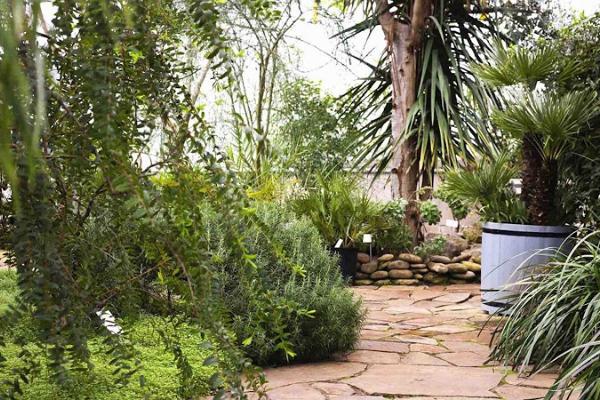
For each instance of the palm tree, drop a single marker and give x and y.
(544, 122)
(422, 100)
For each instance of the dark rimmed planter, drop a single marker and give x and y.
(347, 261)
(507, 250)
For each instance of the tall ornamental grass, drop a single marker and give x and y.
(555, 322)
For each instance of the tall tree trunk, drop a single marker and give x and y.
(404, 41)
(539, 180)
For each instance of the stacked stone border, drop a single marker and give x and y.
(411, 269)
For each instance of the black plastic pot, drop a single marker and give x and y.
(347, 261)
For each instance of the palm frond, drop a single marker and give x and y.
(518, 65)
(554, 118)
(486, 187)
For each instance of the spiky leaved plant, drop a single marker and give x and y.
(544, 122)
(556, 321)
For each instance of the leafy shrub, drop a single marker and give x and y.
(302, 282)
(8, 288)
(431, 247)
(430, 213)
(392, 234)
(459, 208)
(556, 321)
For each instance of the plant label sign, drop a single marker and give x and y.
(338, 244)
(367, 238)
(452, 223)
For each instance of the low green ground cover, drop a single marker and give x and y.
(159, 371)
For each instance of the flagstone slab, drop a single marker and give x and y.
(330, 388)
(425, 348)
(431, 304)
(399, 302)
(416, 358)
(459, 346)
(509, 392)
(387, 346)
(416, 339)
(300, 391)
(464, 359)
(472, 288)
(482, 337)
(425, 380)
(313, 372)
(357, 397)
(538, 380)
(385, 316)
(461, 308)
(375, 335)
(376, 327)
(427, 294)
(451, 398)
(373, 357)
(381, 294)
(430, 320)
(407, 309)
(456, 298)
(448, 328)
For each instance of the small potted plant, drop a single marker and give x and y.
(540, 125)
(342, 213)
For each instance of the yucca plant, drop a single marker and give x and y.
(556, 321)
(544, 122)
(420, 99)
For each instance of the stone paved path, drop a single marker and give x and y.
(419, 343)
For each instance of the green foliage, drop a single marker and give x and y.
(429, 212)
(558, 118)
(8, 289)
(486, 188)
(459, 208)
(546, 121)
(431, 247)
(396, 208)
(160, 375)
(88, 116)
(580, 169)
(519, 65)
(392, 234)
(555, 321)
(313, 138)
(314, 313)
(339, 209)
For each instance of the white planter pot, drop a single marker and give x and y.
(507, 247)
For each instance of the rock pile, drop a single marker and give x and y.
(410, 269)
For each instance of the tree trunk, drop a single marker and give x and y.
(404, 41)
(539, 180)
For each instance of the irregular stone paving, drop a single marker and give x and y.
(421, 343)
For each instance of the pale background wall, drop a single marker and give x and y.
(384, 188)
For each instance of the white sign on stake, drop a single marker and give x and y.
(338, 244)
(452, 223)
(367, 238)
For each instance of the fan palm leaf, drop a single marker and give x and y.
(486, 187)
